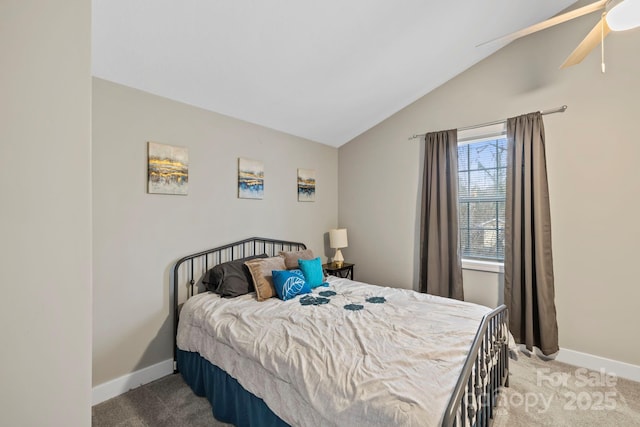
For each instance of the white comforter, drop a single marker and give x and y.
(387, 364)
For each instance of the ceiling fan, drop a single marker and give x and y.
(617, 15)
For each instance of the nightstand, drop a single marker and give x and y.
(346, 271)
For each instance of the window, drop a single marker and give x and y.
(482, 184)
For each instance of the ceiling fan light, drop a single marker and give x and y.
(624, 15)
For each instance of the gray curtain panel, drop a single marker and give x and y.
(440, 263)
(528, 264)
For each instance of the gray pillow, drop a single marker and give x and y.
(230, 279)
(291, 257)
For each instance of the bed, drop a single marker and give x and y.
(348, 353)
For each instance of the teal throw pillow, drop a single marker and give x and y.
(312, 270)
(289, 283)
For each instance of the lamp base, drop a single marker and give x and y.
(338, 259)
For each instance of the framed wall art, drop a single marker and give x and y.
(306, 185)
(250, 179)
(168, 169)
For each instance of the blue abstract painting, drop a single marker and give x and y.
(250, 179)
(306, 185)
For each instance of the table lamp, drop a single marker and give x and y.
(338, 240)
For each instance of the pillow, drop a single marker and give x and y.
(289, 283)
(260, 270)
(291, 257)
(230, 279)
(312, 270)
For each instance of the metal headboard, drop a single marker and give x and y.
(188, 270)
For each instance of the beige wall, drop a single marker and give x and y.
(594, 179)
(45, 217)
(137, 236)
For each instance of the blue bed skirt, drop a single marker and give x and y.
(230, 402)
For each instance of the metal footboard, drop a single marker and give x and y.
(485, 371)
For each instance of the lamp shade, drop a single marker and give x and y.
(338, 238)
(624, 15)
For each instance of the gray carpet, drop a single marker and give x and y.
(550, 393)
(167, 402)
(540, 394)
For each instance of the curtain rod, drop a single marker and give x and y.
(497, 122)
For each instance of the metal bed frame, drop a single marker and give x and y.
(484, 372)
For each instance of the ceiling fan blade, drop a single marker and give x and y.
(576, 13)
(592, 40)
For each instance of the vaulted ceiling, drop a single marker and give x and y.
(322, 70)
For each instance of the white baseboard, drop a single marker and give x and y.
(589, 361)
(118, 386)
